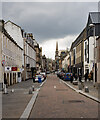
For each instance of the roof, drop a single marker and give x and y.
(95, 17)
(13, 23)
(6, 34)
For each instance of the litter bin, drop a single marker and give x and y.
(39, 79)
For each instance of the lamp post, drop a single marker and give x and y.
(93, 26)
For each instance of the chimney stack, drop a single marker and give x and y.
(1, 24)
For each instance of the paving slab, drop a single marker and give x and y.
(14, 103)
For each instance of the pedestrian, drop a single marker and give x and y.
(86, 76)
(76, 76)
(89, 76)
(71, 77)
(80, 78)
(5, 82)
(33, 78)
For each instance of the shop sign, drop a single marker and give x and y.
(18, 69)
(14, 68)
(3, 62)
(7, 68)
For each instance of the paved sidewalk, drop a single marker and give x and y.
(14, 104)
(93, 91)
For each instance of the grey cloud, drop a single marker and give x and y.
(49, 20)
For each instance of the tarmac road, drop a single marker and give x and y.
(56, 100)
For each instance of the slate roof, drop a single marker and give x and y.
(95, 17)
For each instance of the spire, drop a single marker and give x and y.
(56, 52)
(57, 46)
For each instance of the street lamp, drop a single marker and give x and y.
(93, 26)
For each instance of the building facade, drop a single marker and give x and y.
(89, 47)
(98, 60)
(11, 60)
(44, 63)
(15, 32)
(56, 57)
(29, 56)
(38, 56)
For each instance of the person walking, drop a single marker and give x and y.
(34, 78)
(80, 77)
(71, 77)
(5, 81)
(86, 76)
(89, 76)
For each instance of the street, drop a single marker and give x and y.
(49, 60)
(56, 100)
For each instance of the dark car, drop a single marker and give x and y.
(67, 76)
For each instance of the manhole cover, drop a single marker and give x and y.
(73, 101)
(76, 101)
(61, 90)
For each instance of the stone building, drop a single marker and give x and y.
(44, 63)
(92, 32)
(98, 60)
(56, 57)
(38, 56)
(11, 58)
(14, 31)
(29, 56)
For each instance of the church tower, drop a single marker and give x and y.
(57, 57)
(56, 53)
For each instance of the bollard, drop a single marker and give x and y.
(87, 89)
(12, 90)
(33, 88)
(80, 86)
(75, 82)
(5, 90)
(30, 90)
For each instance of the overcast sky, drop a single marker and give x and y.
(50, 21)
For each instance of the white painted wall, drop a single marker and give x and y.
(1, 80)
(15, 32)
(91, 54)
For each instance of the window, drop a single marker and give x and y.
(85, 51)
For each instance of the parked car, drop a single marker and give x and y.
(48, 72)
(43, 74)
(67, 77)
(61, 75)
(37, 76)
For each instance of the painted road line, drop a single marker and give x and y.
(28, 109)
(81, 92)
(89, 96)
(69, 86)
